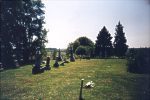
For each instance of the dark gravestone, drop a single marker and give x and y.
(56, 63)
(47, 67)
(37, 68)
(59, 56)
(72, 58)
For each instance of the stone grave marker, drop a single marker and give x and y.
(47, 67)
(72, 58)
(37, 68)
(56, 64)
(59, 56)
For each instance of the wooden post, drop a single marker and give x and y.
(81, 97)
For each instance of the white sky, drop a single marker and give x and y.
(67, 20)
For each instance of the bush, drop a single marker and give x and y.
(84, 52)
(139, 60)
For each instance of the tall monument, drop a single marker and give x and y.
(72, 58)
(59, 56)
(47, 66)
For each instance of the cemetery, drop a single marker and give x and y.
(105, 68)
(103, 79)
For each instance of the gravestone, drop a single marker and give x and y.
(37, 68)
(56, 63)
(47, 67)
(59, 56)
(72, 58)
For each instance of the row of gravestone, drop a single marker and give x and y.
(37, 66)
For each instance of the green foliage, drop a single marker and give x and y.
(139, 60)
(9, 37)
(22, 20)
(68, 49)
(112, 82)
(54, 54)
(120, 46)
(84, 50)
(103, 46)
(81, 50)
(82, 43)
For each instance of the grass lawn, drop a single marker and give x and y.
(112, 82)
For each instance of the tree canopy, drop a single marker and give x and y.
(120, 46)
(103, 45)
(82, 44)
(82, 41)
(21, 21)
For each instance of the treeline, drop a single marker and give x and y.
(21, 31)
(104, 47)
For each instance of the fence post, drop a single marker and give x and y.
(81, 97)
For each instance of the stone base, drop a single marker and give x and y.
(56, 65)
(47, 68)
(38, 70)
(72, 59)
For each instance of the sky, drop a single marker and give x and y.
(68, 20)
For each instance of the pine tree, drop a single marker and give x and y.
(103, 46)
(120, 46)
(10, 35)
(21, 20)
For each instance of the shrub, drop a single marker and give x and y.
(139, 60)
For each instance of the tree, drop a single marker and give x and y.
(81, 50)
(21, 20)
(54, 54)
(103, 46)
(68, 49)
(120, 46)
(11, 13)
(138, 60)
(84, 50)
(82, 41)
(33, 21)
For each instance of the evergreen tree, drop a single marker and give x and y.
(120, 46)
(21, 20)
(103, 46)
(34, 19)
(11, 12)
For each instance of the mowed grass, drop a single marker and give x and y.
(112, 82)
